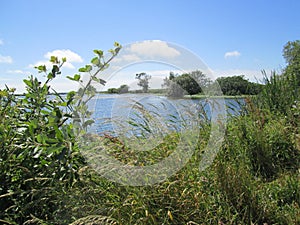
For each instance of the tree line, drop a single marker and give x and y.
(195, 82)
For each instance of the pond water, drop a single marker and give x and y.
(142, 114)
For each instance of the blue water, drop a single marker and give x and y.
(140, 115)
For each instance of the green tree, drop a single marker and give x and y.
(143, 81)
(112, 90)
(238, 85)
(291, 53)
(281, 92)
(190, 83)
(173, 88)
(124, 88)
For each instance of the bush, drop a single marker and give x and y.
(39, 154)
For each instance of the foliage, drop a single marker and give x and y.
(124, 88)
(280, 93)
(188, 83)
(112, 91)
(81, 114)
(39, 154)
(173, 89)
(291, 53)
(238, 85)
(143, 81)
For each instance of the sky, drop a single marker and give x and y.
(230, 37)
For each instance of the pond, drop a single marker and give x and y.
(142, 114)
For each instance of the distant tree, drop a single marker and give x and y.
(124, 88)
(143, 81)
(238, 85)
(112, 90)
(291, 53)
(201, 79)
(190, 83)
(173, 88)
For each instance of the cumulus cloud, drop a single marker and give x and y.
(232, 54)
(155, 48)
(127, 58)
(5, 59)
(72, 57)
(60, 53)
(18, 72)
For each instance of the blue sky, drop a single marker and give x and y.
(231, 37)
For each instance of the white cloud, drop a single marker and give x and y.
(60, 53)
(5, 59)
(127, 58)
(18, 72)
(71, 57)
(155, 48)
(232, 54)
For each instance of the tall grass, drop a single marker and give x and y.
(255, 178)
(280, 92)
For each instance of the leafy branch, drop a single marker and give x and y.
(87, 91)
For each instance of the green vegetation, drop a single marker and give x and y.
(291, 53)
(189, 83)
(196, 83)
(124, 88)
(255, 178)
(238, 85)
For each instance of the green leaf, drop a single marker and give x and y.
(41, 68)
(112, 51)
(53, 59)
(39, 138)
(71, 94)
(99, 52)
(55, 70)
(82, 69)
(64, 59)
(117, 45)
(88, 68)
(58, 134)
(50, 76)
(28, 83)
(58, 113)
(88, 123)
(77, 77)
(95, 79)
(51, 141)
(95, 61)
